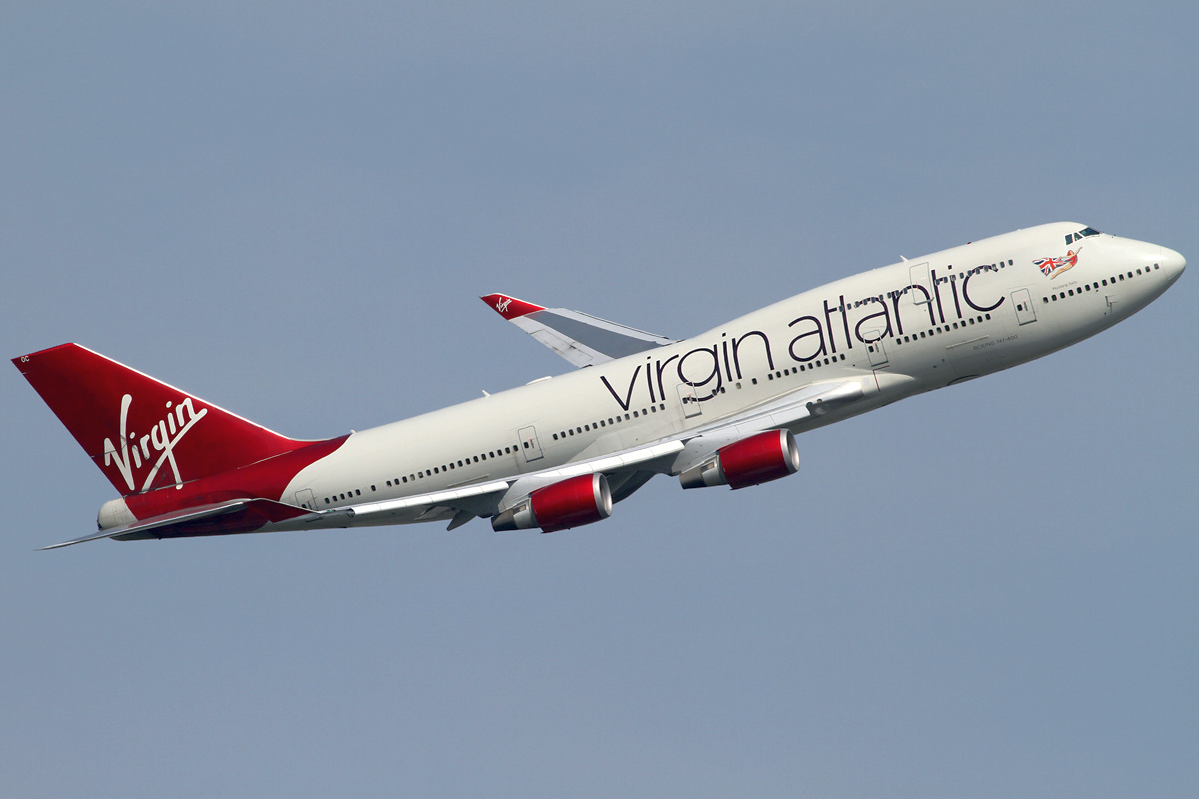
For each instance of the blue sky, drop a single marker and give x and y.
(291, 209)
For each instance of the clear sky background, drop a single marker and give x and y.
(290, 210)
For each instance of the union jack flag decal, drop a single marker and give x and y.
(1052, 267)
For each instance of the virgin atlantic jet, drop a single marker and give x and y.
(720, 408)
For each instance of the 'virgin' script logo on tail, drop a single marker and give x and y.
(162, 438)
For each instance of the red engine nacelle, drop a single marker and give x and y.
(570, 503)
(757, 459)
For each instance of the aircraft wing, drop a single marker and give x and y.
(460, 505)
(580, 338)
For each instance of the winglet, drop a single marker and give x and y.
(509, 307)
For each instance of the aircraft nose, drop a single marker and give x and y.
(1172, 262)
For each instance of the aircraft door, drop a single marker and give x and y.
(878, 353)
(1022, 302)
(528, 443)
(306, 499)
(918, 274)
(687, 399)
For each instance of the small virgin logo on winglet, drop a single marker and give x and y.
(502, 304)
(162, 438)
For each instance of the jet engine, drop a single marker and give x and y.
(750, 461)
(570, 503)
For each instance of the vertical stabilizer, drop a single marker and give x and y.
(143, 433)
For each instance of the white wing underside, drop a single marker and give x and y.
(586, 340)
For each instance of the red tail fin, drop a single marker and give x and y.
(142, 433)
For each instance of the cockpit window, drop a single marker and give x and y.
(1087, 231)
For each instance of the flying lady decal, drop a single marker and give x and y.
(1052, 267)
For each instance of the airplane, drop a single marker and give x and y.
(720, 408)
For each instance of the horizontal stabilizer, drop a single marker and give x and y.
(580, 338)
(252, 514)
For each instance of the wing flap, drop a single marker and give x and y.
(421, 503)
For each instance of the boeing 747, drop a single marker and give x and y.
(719, 408)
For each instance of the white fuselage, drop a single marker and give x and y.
(902, 329)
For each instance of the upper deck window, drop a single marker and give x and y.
(1082, 234)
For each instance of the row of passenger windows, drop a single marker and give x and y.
(429, 472)
(972, 320)
(612, 420)
(942, 280)
(975, 271)
(1095, 286)
(803, 367)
